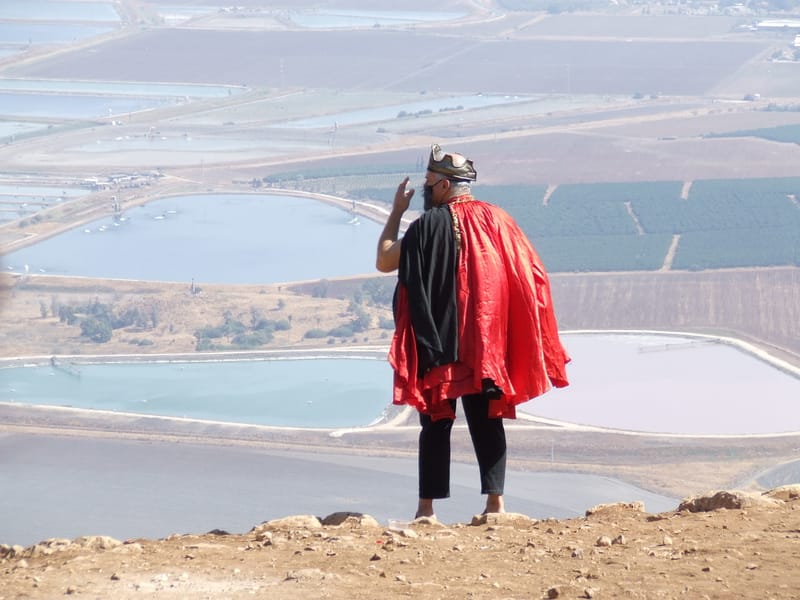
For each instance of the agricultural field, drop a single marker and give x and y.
(757, 305)
(625, 143)
(630, 226)
(405, 61)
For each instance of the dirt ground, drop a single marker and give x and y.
(179, 314)
(747, 547)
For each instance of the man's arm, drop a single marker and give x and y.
(388, 255)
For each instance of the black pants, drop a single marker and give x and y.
(488, 439)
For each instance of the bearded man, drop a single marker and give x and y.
(473, 320)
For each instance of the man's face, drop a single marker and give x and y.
(435, 190)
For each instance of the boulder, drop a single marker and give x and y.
(294, 522)
(635, 507)
(730, 500)
(350, 519)
(784, 492)
(97, 542)
(511, 519)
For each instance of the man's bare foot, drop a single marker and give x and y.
(424, 508)
(494, 504)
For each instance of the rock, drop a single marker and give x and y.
(97, 542)
(265, 537)
(408, 533)
(294, 522)
(603, 541)
(554, 592)
(511, 519)
(427, 521)
(784, 492)
(730, 500)
(47, 547)
(350, 519)
(637, 507)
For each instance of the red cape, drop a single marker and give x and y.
(507, 329)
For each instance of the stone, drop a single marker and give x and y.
(510, 519)
(309, 575)
(603, 541)
(97, 542)
(730, 500)
(636, 507)
(293, 522)
(265, 537)
(784, 492)
(408, 533)
(427, 521)
(350, 519)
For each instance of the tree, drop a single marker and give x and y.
(361, 321)
(321, 289)
(67, 315)
(381, 291)
(255, 316)
(96, 329)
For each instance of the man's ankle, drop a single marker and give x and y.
(494, 504)
(424, 508)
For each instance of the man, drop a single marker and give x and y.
(473, 319)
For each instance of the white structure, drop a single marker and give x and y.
(779, 24)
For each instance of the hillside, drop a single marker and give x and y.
(721, 545)
(761, 306)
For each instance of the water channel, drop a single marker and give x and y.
(235, 238)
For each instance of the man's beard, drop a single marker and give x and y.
(427, 197)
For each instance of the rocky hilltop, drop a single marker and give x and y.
(725, 544)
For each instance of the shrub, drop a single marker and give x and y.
(342, 331)
(96, 329)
